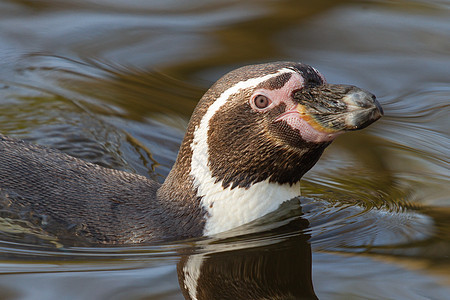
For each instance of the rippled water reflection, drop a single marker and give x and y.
(115, 83)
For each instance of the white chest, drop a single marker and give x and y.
(231, 208)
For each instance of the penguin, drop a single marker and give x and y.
(251, 138)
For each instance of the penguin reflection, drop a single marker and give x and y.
(275, 264)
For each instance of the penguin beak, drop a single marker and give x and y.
(332, 108)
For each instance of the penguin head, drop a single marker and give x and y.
(272, 122)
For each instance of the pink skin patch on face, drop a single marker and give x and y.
(307, 132)
(292, 116)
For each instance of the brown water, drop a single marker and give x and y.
(115, 82)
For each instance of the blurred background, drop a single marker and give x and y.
(115, 82)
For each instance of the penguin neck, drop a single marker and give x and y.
(206, 202)
(219, 207)
(229, 208)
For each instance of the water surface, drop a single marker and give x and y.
(115, 83)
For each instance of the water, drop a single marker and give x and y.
(115, 83)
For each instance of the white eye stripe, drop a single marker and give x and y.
(241, 85)
(221, 204)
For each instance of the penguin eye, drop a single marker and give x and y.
(261, 101)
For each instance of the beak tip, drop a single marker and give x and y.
(379, 108)
(370, 112)
(365, 119)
